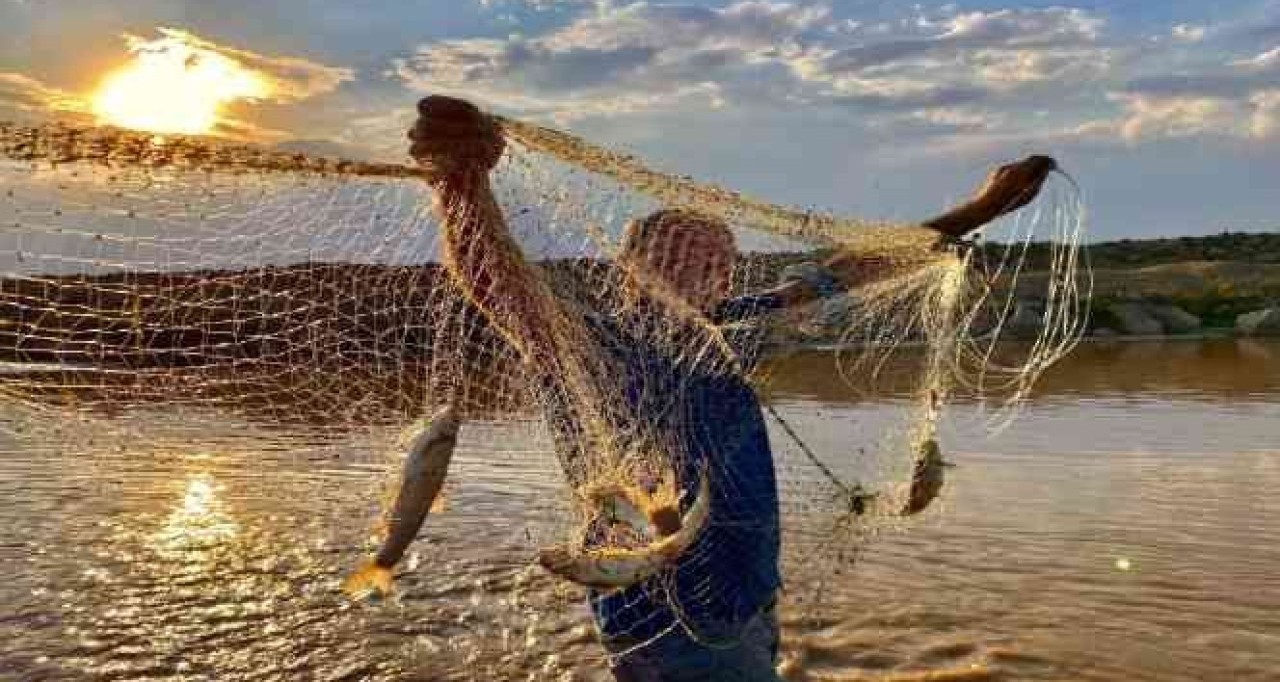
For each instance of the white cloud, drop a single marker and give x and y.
(1265, 122)
(1055, 26)
(1010, 69)
(1189, 33)
(635, 57)
(537, 5)
(1009, 31)
(947, 121)
(291, 78)
(1264, 62)
(748, 26)
(639, 57)
(931, 74)
(1238, 99)
(972, 76)
(1153, 116)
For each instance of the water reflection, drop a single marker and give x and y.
(1208, 370)
(199, 521)
(1132, 503)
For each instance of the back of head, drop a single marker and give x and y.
(663, 228)
(691, 253)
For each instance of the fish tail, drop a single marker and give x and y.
(368, 580)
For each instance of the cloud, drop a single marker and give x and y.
(1004, 30)
(321, 147)
(535, 5)
(1017, 28)
(246, 131)
(25, 98)
(922, 76)
(1189, 33)
(942, 122)
(888, 96)
(1235, 79)
(1156, 116)
(1239, 99)
(752, 27)
(641, 57)
(22, 96)
(636, 57)
(1000, 50)
(290, 78)
(1266, 64)
(1265, 122)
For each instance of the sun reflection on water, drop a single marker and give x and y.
(200, 520)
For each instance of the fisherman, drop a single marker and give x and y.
(654, 377)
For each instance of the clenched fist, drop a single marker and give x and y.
(452, 137)
(1012, 186)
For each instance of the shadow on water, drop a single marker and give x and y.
(1124, 528)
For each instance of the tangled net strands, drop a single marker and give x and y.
(148, 277)
(933, 300)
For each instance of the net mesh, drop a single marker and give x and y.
(150, 281)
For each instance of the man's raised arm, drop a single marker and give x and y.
(1005, 190)
(457, 145)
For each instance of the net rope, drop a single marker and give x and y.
(310, 297)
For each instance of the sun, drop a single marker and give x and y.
(171, 86)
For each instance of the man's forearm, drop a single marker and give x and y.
(487, 264)
(457, 146)
(1005, 190)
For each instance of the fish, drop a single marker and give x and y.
(614, 568)
(619, 504)
(926, 479)
(424, 471)
(650, 513)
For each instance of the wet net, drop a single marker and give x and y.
(156, 287)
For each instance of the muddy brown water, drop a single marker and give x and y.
(1124, 527)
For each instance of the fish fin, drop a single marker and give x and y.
(368, 580)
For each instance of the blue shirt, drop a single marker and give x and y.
(704, 408)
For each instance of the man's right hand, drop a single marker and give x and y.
(1006, 189)
(453, 137)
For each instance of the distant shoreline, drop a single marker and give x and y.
(1163, 288)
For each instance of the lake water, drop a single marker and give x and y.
(1124, 527)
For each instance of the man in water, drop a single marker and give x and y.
(649, 374)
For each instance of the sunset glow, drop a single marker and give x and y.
(171, 86)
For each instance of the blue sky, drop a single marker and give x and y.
(1168, 113)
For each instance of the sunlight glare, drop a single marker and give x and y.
(172, 86)
(200, 520)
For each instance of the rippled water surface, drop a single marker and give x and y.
(1124, 527)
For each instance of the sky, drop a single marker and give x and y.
(1166, 112)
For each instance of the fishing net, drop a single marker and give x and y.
(155, 288)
